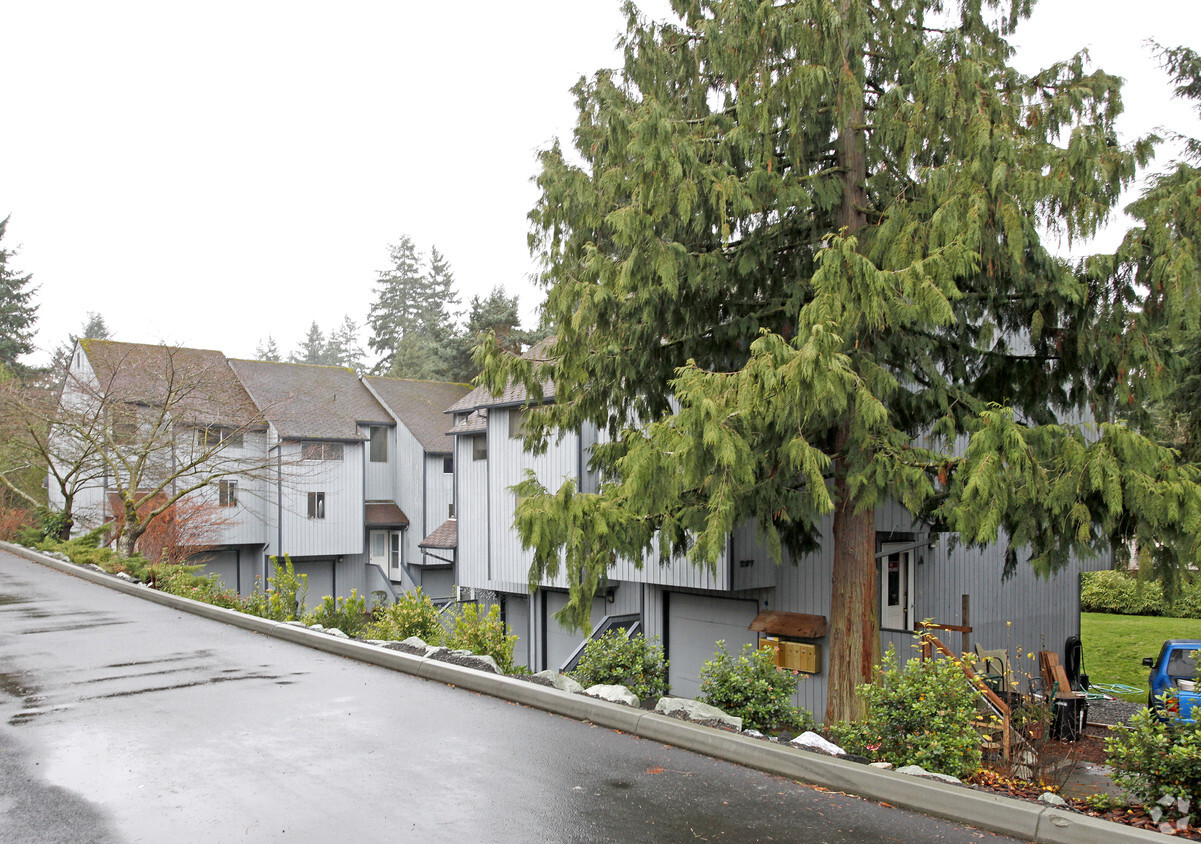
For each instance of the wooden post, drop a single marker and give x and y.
(965, 619)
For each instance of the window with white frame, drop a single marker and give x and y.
(227, 493)
(212, 436)
(316, 505)
(321, 451)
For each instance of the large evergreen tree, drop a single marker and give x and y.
(268, 350)
(344, 346)
(801, 246)
(17, 310)
(93, 328)
(313, 348)
(497, 314)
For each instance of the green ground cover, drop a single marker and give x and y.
(1114, 645)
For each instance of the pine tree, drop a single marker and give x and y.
(344, 347)
(268, 350)
(313, 349)
(498, 314)
(17, 311)
(802, 245)
(396, 314)
(93, 328)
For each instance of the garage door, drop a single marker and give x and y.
(321, 579)
(694, 625)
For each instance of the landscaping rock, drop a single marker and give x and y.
(559, 681)
(883, 766)
(812, 741)
(1051, 799)
(91, 566)
(415, 642)
(694, 710)
(435, 651)
(336, 633)
(319, 628)
(614, 694)
(919, 771)
(127, 577)
(479, 662)
(63, 558)
(752, 733)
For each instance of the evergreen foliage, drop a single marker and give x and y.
(268, 350)
(410, 320)
(313, 349)
(750, 687)
(619, 660)
(344, 348)
(800, 244)
(18, 313)
(497, 313)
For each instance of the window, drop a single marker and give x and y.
(316, 505)
(479, 447)
(227, 493)
(124, 433)
(517, 419)
(214, 435)
(321, 451)
(448, 464)
(395, 555)
(379, 444)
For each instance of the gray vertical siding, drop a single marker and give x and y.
(471, 505)
(341, 531)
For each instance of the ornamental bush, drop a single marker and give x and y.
(346, 614)
(750, 687)
(919, 713)
(1158, 763)
(483, 633)
(413, 614)
(1118, 592)
(633, 662)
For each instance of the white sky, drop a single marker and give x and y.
(211, 173)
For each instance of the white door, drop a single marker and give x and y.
(378, 552)
(896, 590)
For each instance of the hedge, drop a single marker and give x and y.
(1124, 594)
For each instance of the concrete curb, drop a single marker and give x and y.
(1005, 815)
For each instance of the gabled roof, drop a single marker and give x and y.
(308, 402)
(197, 383)
(513, 394)
(446, 535)
(419, 406)
(475, 422)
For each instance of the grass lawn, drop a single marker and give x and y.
(1114, 645)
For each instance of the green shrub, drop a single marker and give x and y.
(483, 633)
(413, 614)
(1118, 592)
(347, 614)
(1158, 763)
(920, 713)
(633, 662)
(750, 687)
(288, 593)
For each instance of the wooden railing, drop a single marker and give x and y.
(931, 643)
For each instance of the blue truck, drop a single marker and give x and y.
(1175, 670)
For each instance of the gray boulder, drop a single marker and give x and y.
(560, 681)
(415, 642)
(480, 662)
(336, 633)
(613, 694)
(435, 651)
(1051, 799)
(812, 741)
(694, 710)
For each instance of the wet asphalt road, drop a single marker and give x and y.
(121, 720)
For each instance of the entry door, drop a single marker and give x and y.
(896, 590)
(379, 549)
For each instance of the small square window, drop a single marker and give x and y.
(316, 505)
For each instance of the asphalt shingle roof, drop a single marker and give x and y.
(198, 384)
(513, 394)
(446, 535)
(420, 405)
(307, 402)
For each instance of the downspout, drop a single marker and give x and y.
(279, 507)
